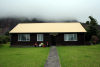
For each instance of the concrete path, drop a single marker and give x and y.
(53, 58)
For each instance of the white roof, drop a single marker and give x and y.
(48, 27)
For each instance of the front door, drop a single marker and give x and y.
(53, 40)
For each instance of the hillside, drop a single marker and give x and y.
(6, 24)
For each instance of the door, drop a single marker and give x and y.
(53, 40)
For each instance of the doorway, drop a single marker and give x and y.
(53, 40)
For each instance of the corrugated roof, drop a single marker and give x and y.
(48, 27)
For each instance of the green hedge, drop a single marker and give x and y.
(4, 39)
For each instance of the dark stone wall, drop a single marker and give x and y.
(47, 38)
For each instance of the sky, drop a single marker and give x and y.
(51, 9)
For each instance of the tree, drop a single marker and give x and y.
(92, 28)
(37, 20)
(87, 22)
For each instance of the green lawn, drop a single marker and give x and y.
(70, 56)
(79, 56)
(23, 57)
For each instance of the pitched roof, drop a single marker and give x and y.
(48, 27)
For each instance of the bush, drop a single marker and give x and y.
(4, 39)
(94, 39)
(99, 36)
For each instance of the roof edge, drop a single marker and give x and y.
(47, 22)
(46, 32)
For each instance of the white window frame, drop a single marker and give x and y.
(40, 37)
(67, 35)
(27, 36)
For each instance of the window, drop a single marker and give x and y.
(23, 37)
(39, 37)
(70, 37)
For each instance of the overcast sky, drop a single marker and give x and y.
(51, 9)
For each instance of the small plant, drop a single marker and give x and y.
(41, 44)
(36, 44)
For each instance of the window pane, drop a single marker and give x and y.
(39, 37)
(65, 37)
(27, 37)
(70, 37)
(75, 37)
(23, 37)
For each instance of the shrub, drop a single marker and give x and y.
(4, 39)
(94, 39)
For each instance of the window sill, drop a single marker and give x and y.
(23, 41)
(40, 41)
(70, 40)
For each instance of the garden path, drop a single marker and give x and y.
(53, 58)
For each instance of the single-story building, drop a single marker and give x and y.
(28, 34)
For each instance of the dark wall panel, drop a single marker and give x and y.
(80, 37)
(33, 40)
(47, 38)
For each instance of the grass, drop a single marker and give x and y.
(23, 57)
(70, 56)
(79, 56)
